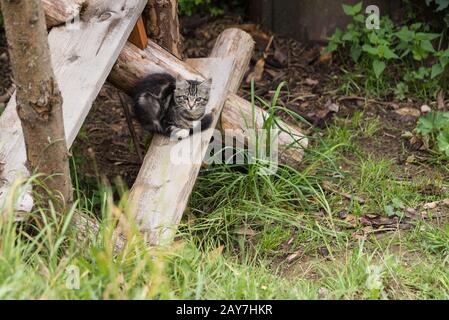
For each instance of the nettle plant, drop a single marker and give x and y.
(434, 129)
(404, 55)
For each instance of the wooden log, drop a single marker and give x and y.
(162, 24)
(237, 115)
(82, 56)
(61, 11)
(134, 64)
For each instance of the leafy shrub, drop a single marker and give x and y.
(403, 57)
(434, 128)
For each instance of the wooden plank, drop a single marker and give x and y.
(83, 55)
(161, 191)
(139, 36)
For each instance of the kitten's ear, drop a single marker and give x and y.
(181, 82)
(207, 83)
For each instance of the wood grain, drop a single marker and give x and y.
(58, 12)
(162, 189)
(139, 36)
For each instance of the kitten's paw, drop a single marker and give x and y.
(180, 134)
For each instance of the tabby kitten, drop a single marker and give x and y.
(172, 107)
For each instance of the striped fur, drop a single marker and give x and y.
(172, 107)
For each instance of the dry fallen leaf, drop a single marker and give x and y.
(407, 114)
(325, 57)
(293, 256)
(311, 82)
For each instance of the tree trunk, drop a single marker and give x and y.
(162, 24)
(39, 102)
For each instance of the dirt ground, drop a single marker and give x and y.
(104, 147)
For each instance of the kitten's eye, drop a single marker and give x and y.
(199, 99)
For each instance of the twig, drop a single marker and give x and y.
(131, 126)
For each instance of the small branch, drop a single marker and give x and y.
(326, 185)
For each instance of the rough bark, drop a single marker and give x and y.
(39, 102)
(162, 24)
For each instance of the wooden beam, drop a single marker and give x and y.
(82, 56)
(160, 193)
(139, 36)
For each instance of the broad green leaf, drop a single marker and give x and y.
(378, 67)
(373, 38)
(357, 8)
(437, 69)
(405, 34)
(432, 122)
(443, 142)
(348, 36)
(347, 9)
(360, 18)
(427, 45)
(352, 10)
(356, 52)
(370, 49)
(421, 36)
(389, 54)
(331, 47)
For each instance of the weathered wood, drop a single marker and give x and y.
(134, 64)
(162, 189)
(139, 36)
(163, 25)
(39, 102)
(160, 193)
(61, 11)
(237, 115)
(82, 56)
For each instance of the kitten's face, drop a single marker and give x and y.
(192, 95)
